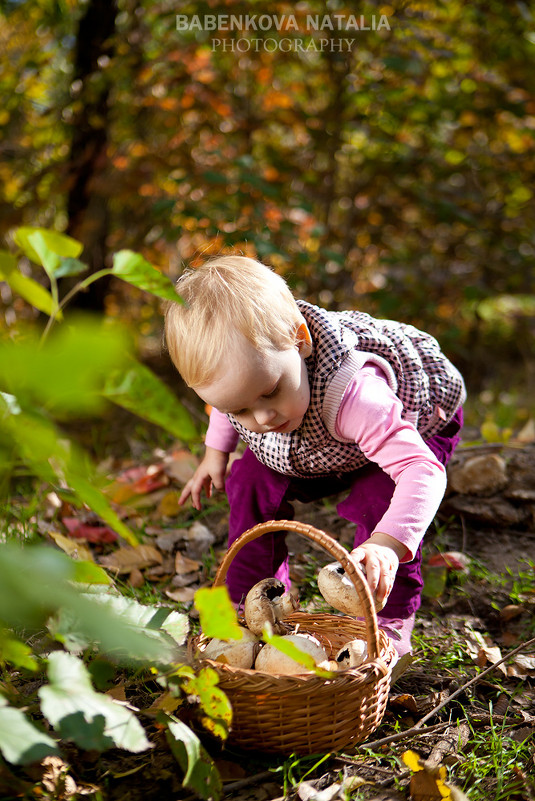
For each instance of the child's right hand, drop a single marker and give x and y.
(210, 473)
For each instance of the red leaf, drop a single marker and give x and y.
(453, 560)
(84, 531)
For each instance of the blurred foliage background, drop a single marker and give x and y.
(393, 173)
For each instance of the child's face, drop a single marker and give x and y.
(264, 391)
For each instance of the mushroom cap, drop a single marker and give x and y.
(339, 591)
(352, 654)
(238, 653)
(267, 603)
(271, 660)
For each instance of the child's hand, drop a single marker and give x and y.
(210, 473)
(380, 556)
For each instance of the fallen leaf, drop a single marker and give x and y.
(404, 701)
(168, 506)
(185, 565)
(164, 703)
(182, 596)
(452, 560)
(428, 783)
(85, 531)
(117, 692)
(181, 465)
(124, 560)
(136, 579)
(74, 548)
(137, 481)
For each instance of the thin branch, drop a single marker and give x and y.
(416, 729)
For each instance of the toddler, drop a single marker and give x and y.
(327, 403)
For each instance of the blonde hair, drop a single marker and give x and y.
(225, 295)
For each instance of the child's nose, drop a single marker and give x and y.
(264, 416)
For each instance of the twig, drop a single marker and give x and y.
(479, 676)
(417, 726)
(401, 735)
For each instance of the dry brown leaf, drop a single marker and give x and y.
(181, 465)
(164, 703)
(183, 564)
(74, 548)
(183, 595)
(117, 692)
(491, 654)
(404, 701)
(136, 578)
(124, 560)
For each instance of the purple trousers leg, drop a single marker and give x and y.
(257, 494)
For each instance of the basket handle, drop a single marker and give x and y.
(329, 544)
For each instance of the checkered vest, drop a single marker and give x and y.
(428, 385)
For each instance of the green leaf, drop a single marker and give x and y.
(295, 653)
(93, 720)
(200, 773)
(140, 391)
(16, 652)
(152, 620)
(90, 573)
(67, 374)
(20, 741)
(136, 270)
(27, 288)
(70, 266)
(38, 581)
(47, 258)
(213, 702)
(217, 615)
(58, 244)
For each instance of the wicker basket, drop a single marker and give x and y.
(306, 714)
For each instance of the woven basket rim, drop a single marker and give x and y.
(332, 547)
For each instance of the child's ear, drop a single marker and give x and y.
(303, 340)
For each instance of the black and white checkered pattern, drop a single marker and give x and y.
(426, 383)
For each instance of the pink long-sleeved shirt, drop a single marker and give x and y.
(370, 415)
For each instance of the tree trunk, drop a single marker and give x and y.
(87, 207)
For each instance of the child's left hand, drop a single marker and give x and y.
(380, 555)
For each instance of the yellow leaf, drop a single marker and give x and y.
(74, 548)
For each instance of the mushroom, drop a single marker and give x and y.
(238, 653)
(268, 603)
(271, 660)
(353, 654)
(340, 592)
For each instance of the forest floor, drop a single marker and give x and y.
(478, 608)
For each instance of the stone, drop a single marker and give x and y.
(479, 475)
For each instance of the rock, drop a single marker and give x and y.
(493, 511)
(479, 475)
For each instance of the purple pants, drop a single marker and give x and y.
(257, 494)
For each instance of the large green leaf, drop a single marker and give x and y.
(200, 773)
(20, 741)
(55, 459)
(136, 270)
(140, 391)
(217, 615)
(22, 285)
(161, 627)
(58, 244)
(37, 582)
(77, 712)
(66, 374)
